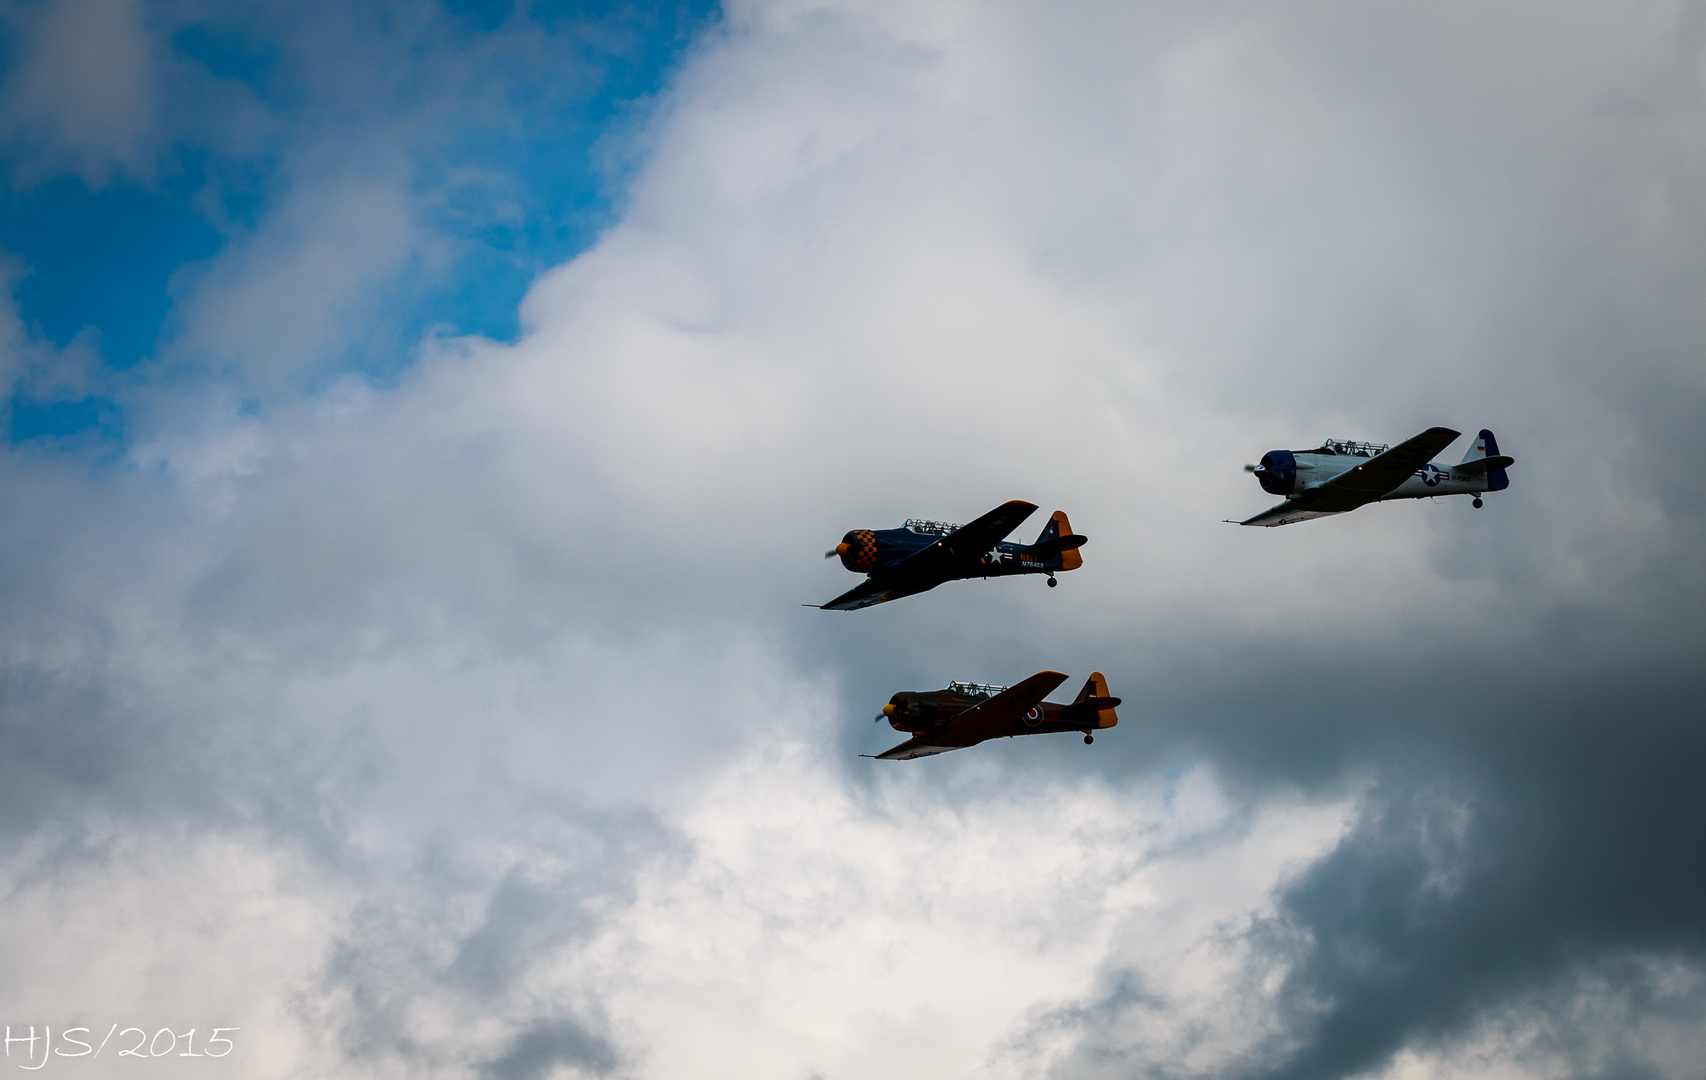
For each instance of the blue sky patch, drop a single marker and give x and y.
(103, 259)
(527, 98)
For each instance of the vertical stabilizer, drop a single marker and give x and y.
(1056, 528)
(1483, 449)
(1478, 449)
(1486, 446)
(1096, 692)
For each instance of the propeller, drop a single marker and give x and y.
(839, 549)
(1252, 468)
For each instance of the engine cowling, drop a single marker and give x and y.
(899, 711)
(858, 550)
(1278, 472)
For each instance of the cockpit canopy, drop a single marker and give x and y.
(929, 528)
(1348, 447)
(971, 689)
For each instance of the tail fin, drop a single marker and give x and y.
(1057, 528)
(1485, 446)
(1094, 706)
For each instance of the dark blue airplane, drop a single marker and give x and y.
(920, 555)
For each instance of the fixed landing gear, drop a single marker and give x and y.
(1477, 503)
(1088, 739)
(1052, 582)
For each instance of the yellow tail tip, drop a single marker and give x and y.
(1069, 560)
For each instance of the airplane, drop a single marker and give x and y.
(966, 714)
(1338, 477)
(921, 555)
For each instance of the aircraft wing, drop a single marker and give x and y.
(1287, 513)
(924, 570)
(1360, 484)
(999, 712)
(878, 590)
(924, 746)
(976, 537)
(969, 541)
(1382, 473)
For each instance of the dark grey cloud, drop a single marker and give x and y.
(1581, 813)
(539, 1051)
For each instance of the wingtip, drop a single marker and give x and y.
(1450, 435)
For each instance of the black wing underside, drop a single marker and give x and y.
(876, 590)
(1360, 484)
(926, 569)
(923, 746)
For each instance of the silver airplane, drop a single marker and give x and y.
(1337, 477)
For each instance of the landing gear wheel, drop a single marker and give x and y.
(1088, 739)
(1052, 582)
(1477, 503)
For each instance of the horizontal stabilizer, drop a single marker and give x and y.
(1087, 707)
(1050, 548)
(1477, 466)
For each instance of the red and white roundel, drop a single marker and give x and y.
(1034, 717)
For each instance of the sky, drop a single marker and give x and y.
(422, 424)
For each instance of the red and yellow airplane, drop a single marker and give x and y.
(966, 714)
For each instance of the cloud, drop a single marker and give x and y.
(502, 651)
(300, 295)
(538, 1051)
(1583, 1025)
(87, 90)
(155, 932)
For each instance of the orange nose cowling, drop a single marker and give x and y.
(858, 550)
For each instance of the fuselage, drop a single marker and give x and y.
(871, 551)
(921, 712)
(1293, 472)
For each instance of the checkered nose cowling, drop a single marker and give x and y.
(858, 550)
